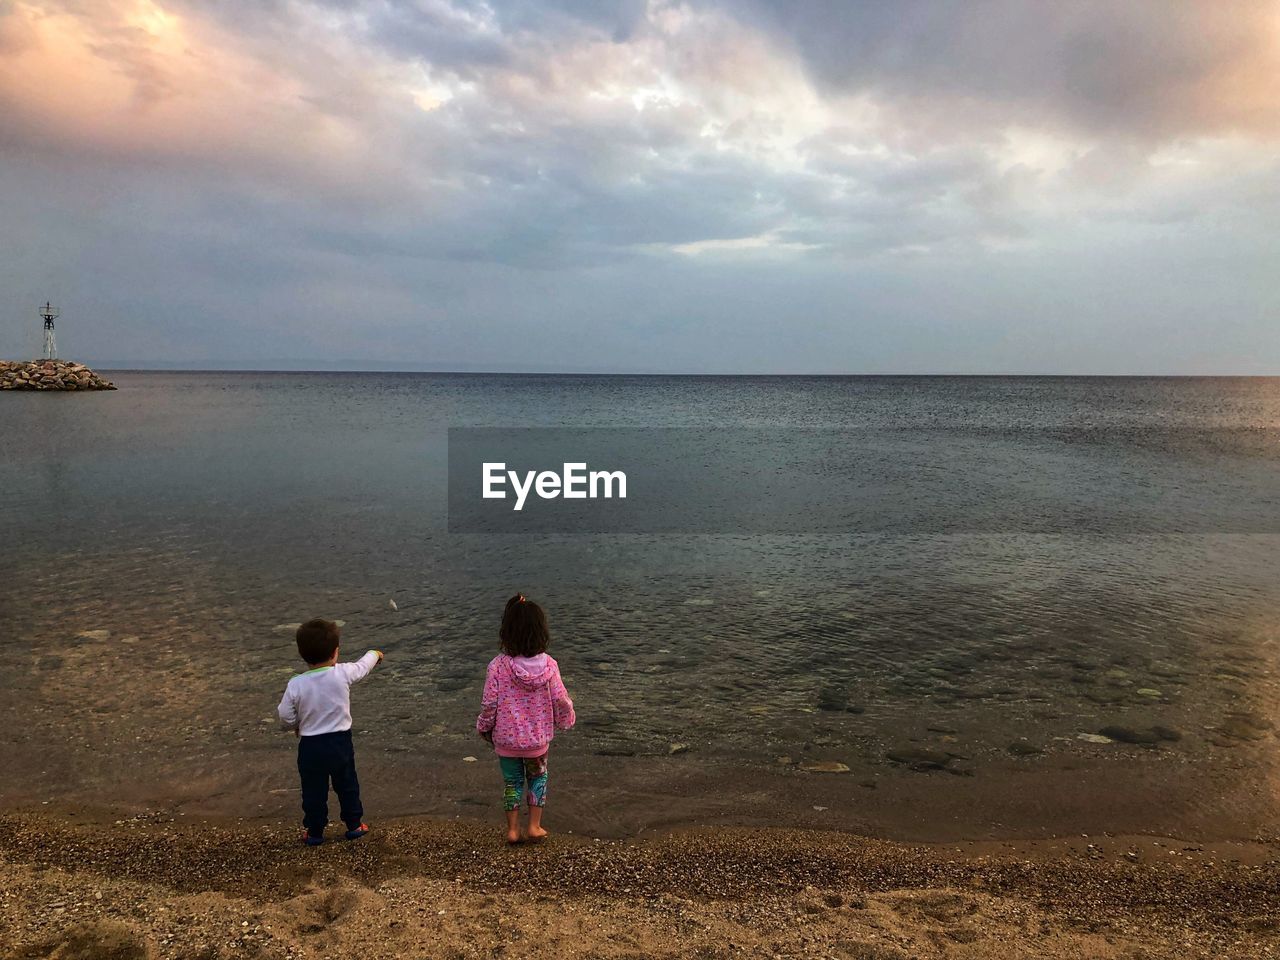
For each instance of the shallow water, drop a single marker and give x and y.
(194, 516)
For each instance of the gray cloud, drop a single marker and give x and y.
(1147, 68)
(730, 185)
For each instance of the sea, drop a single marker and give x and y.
(161, 542)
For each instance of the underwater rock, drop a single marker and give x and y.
(923, 760)
(833, 701)
(1146, 737)
(1244, 726)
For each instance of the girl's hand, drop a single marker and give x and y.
(487, 737)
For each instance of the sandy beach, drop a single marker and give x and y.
(79, 886)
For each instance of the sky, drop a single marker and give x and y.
(718, 186)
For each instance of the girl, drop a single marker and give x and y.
(524, 704)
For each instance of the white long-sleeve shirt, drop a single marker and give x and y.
(319, 701)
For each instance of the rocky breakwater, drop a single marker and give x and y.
(49, 375)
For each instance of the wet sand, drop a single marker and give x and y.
(637, 797)
(77, 886)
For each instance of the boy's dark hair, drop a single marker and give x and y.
(317, 639)
(524, 631)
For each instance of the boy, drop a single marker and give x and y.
(317, 708)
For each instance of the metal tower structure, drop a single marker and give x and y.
(48, 314)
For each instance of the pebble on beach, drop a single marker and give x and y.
(825, 766)
(1020, 748)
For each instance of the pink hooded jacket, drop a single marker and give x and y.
(524, 704)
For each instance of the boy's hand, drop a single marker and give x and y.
(380, 656)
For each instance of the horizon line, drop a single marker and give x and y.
(689, 373)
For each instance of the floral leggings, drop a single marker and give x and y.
(524, 776)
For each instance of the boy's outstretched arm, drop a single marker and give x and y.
(488, 705)
(288, 711)
(359, 669)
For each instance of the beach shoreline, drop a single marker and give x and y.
(1117, 789)
(160, 886)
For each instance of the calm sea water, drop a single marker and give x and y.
(195, 516)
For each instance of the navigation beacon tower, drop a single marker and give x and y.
(49, 314)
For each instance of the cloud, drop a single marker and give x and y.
(319, 155)
(1142, 68)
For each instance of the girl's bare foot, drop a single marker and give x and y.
(513, 826)
(536, 832)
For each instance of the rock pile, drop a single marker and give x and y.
(49, 375)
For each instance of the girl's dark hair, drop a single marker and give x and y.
(524, 630)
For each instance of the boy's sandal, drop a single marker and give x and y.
(311, 841)
(359, 832)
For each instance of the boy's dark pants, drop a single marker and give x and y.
(323, 758)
